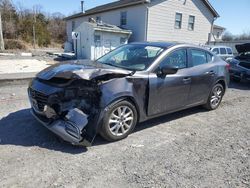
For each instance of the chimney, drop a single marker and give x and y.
(82, 7)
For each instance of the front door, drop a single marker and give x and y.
(171, 92)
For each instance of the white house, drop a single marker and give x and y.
(96, 39)
(217, 33)
(188, 21)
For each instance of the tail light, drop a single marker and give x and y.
(228, 66)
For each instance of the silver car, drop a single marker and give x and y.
(224, 52)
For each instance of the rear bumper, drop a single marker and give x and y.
(67, 130)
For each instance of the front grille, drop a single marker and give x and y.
(245, 65)
(39, 99)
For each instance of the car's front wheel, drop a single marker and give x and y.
(215, 97)
(119, 121)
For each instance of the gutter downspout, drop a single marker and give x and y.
(211, 31)
(146, 20)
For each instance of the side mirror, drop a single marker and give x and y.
(167, 70)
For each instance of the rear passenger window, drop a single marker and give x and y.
(229, 51)
(199, 57)
(216, 51)
(223, 51)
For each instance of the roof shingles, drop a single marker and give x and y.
(125, 3)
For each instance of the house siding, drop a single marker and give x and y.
(136, 21)
(161, 21)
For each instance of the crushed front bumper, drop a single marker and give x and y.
(70, 130)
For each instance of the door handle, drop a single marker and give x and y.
(212, 73)
(186, 80)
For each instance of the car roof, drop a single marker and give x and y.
(169, 44)
(156, 44)
(220, 47)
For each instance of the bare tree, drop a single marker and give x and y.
(1, 34)
(228, 36)
(243, 36)
(57, 27)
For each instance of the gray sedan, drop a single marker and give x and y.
(131, 84)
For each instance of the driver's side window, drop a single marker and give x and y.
(176, 59)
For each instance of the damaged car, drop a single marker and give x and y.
(240, 65)
(131, 84)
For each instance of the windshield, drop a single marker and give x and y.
(136, 57)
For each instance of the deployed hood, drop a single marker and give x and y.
(87, 70)
(243, 48)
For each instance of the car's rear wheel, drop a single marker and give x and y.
(119, 121)
(215, 97)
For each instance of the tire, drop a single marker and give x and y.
(119, 121)
(215, 97)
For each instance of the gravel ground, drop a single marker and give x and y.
(191, 148)
(38, 54)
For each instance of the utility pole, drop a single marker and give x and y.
(1, 34)
(34, 28)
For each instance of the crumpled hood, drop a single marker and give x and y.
(86, 69)
(243, 48)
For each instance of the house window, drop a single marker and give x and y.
(73, 25)
(97, 38)
(98, 19)
(123, 18)
(218, 35)
(178, 20)
(191, 21)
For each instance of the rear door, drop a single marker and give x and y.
(203, 75)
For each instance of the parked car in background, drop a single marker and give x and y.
(226, 53)
(131, 84)
(240, 65)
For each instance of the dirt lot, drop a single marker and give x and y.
(192, 148)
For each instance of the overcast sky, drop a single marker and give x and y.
(234, 14)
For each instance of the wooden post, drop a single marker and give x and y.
(1, 34)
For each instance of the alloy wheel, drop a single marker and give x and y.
(216, 97)
(121, 120)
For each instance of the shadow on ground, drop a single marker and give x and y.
(244, 85)
(159, 120)
(21, 129)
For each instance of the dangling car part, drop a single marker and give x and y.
(240, 65)
(131, 84)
